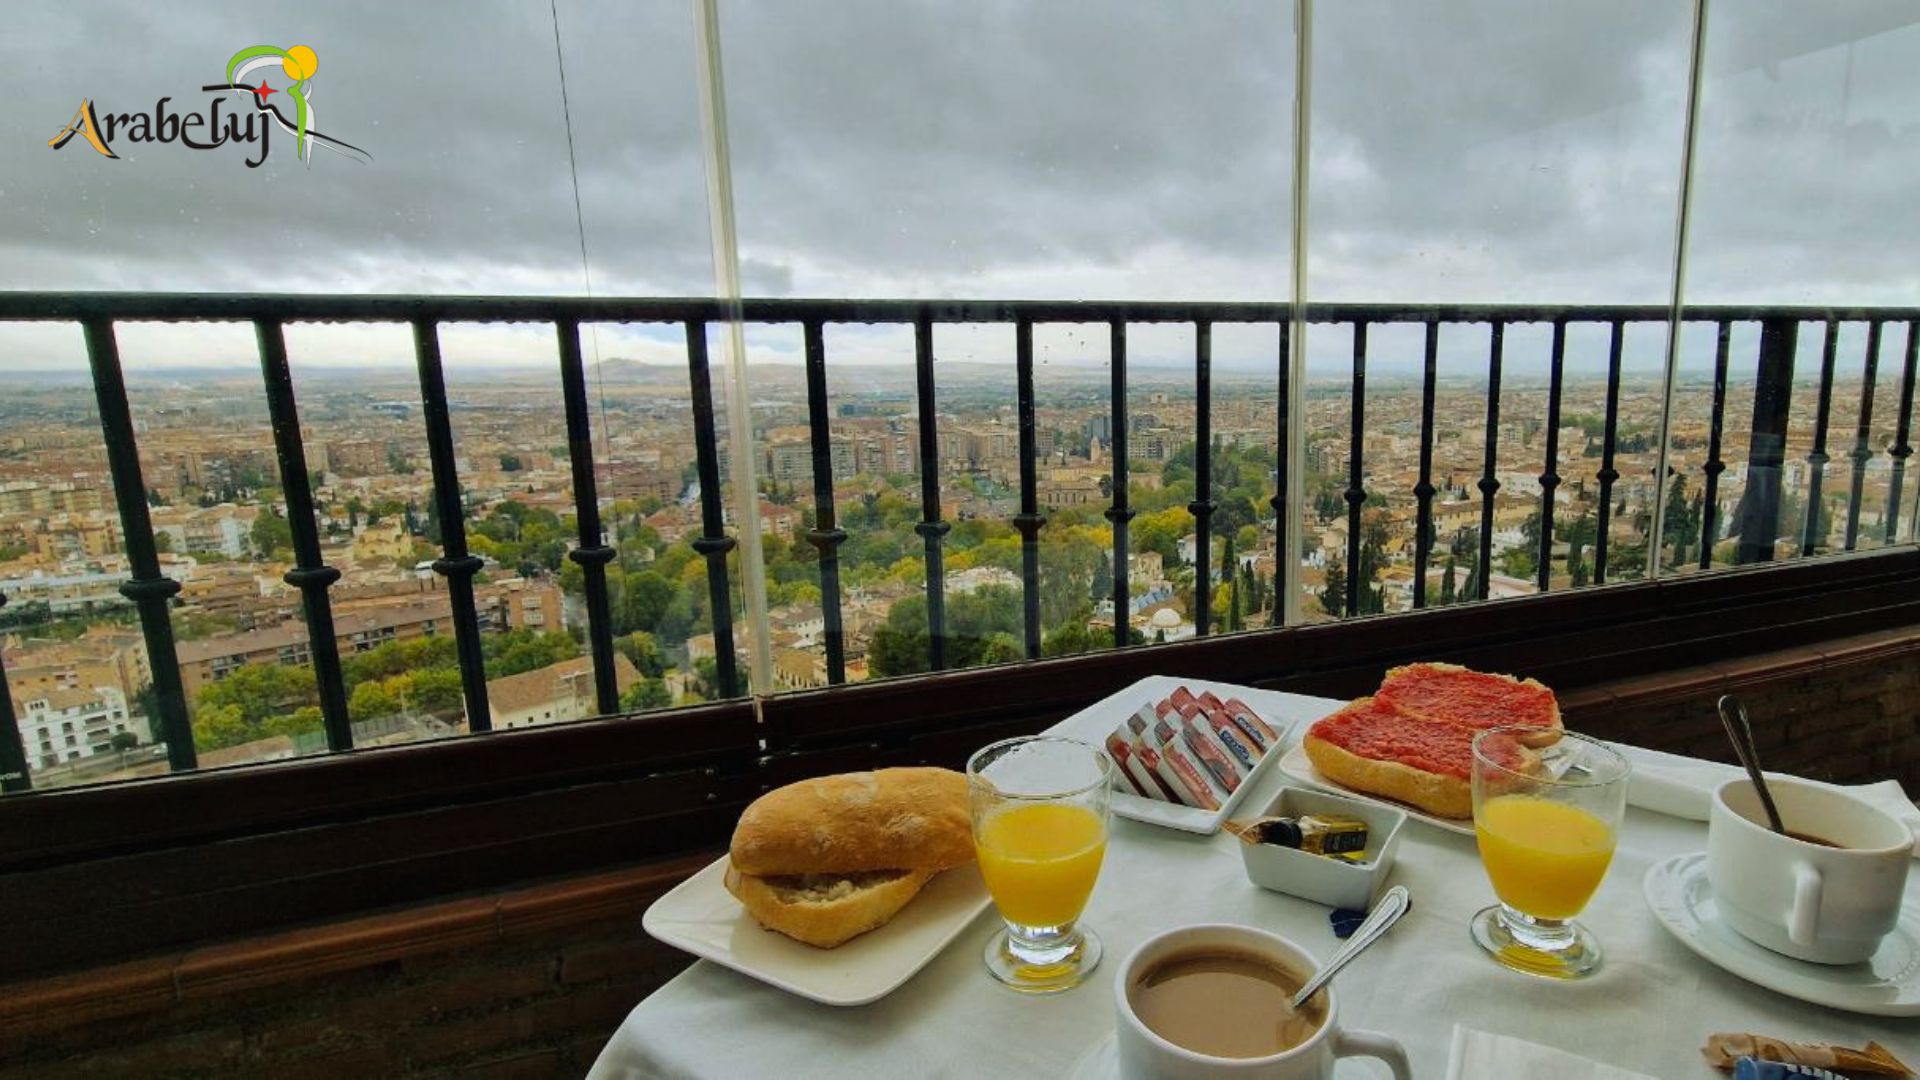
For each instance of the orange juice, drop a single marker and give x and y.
(1545, 858)
(1040, 861)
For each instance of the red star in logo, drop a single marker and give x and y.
(263, 90)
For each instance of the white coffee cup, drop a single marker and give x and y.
(1828, 905)
(1146, 1056)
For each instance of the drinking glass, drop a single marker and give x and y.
(1040, 828)
(1546, 809)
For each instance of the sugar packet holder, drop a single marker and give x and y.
(1191, 750)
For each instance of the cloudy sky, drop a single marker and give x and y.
(1469, 150)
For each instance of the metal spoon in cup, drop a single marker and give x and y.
(1733, 716)
(1387, 912)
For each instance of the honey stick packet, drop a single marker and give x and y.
(1724, 1049)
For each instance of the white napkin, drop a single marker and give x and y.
(1477, 1055)
(1683, 787)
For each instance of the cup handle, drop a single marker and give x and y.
(1804, 919)
(1355, 1043)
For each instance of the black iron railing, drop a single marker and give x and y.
(97, 314)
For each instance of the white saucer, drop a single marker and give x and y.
(1886, 985)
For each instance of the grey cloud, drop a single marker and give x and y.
(1478, 150)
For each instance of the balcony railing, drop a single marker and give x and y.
(151, 591)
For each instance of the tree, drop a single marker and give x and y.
(641, 648)
(437, 690)
(646, 694)
(510, 463)
(271, 533)
(1447, 586)
(1333, 595)
(370, 700)
(163, 542)
(1579, 534)
(124, 740)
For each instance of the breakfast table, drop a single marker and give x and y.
(1647, 1010)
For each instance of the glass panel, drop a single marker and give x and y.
(1470, 154)
(1800, 197)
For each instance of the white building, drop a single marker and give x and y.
(67, 725)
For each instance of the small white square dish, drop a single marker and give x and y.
(1284, 712)
(1334, 882)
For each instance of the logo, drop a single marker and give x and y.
(251, 124)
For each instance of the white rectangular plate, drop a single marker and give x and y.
(1298, 767)
(1284, 712)
(701, 917)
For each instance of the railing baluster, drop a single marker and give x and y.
(1120, 513)
(1902, 447)
(1608, 474)
(1550, 476)
(1862, 452)
(1424, 491)
(1283, 544)
(1202, 505)
(311, 575)
(1710, 499)
(826, 536)
(150, 591)
(1356, 473)
(455, 563)
(1759, 522)
(931, 528)
(1811, 536)
(1028, 520)
(713, 543)
(1489, 481)
(592, 553)
(13, 756)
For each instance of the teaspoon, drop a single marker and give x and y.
(1733, 716)
(1388, 911)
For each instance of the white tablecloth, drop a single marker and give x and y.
(1647, 1010)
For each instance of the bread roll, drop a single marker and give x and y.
(888, 819)
(826, 910)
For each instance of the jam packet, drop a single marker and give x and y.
(1725, 1050)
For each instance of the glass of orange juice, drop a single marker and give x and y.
(1040, 828)
(1546, 810)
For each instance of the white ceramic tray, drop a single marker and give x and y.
(701, 917)
(1887, 984)
(1283, 712)
(1298, 767)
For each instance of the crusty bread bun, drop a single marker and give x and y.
(888, 819)
(826, 910)
(1436, 793)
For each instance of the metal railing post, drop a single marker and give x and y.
(1759, 523)
(1550, 475)
(591, 553)
(1902, 447)
(1202, 505)
(826, 536)
(1710, 498)
(713, 543)
(1424, 491)
(1603, 525)
(1028, 521)
(1813, 534)
(1119, 513)
(310, 574)
(455, 564)
(1862, 451)
(1489, 480)
(1285, 546)
(931, 529)
(1356, 493)
(149, 590)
